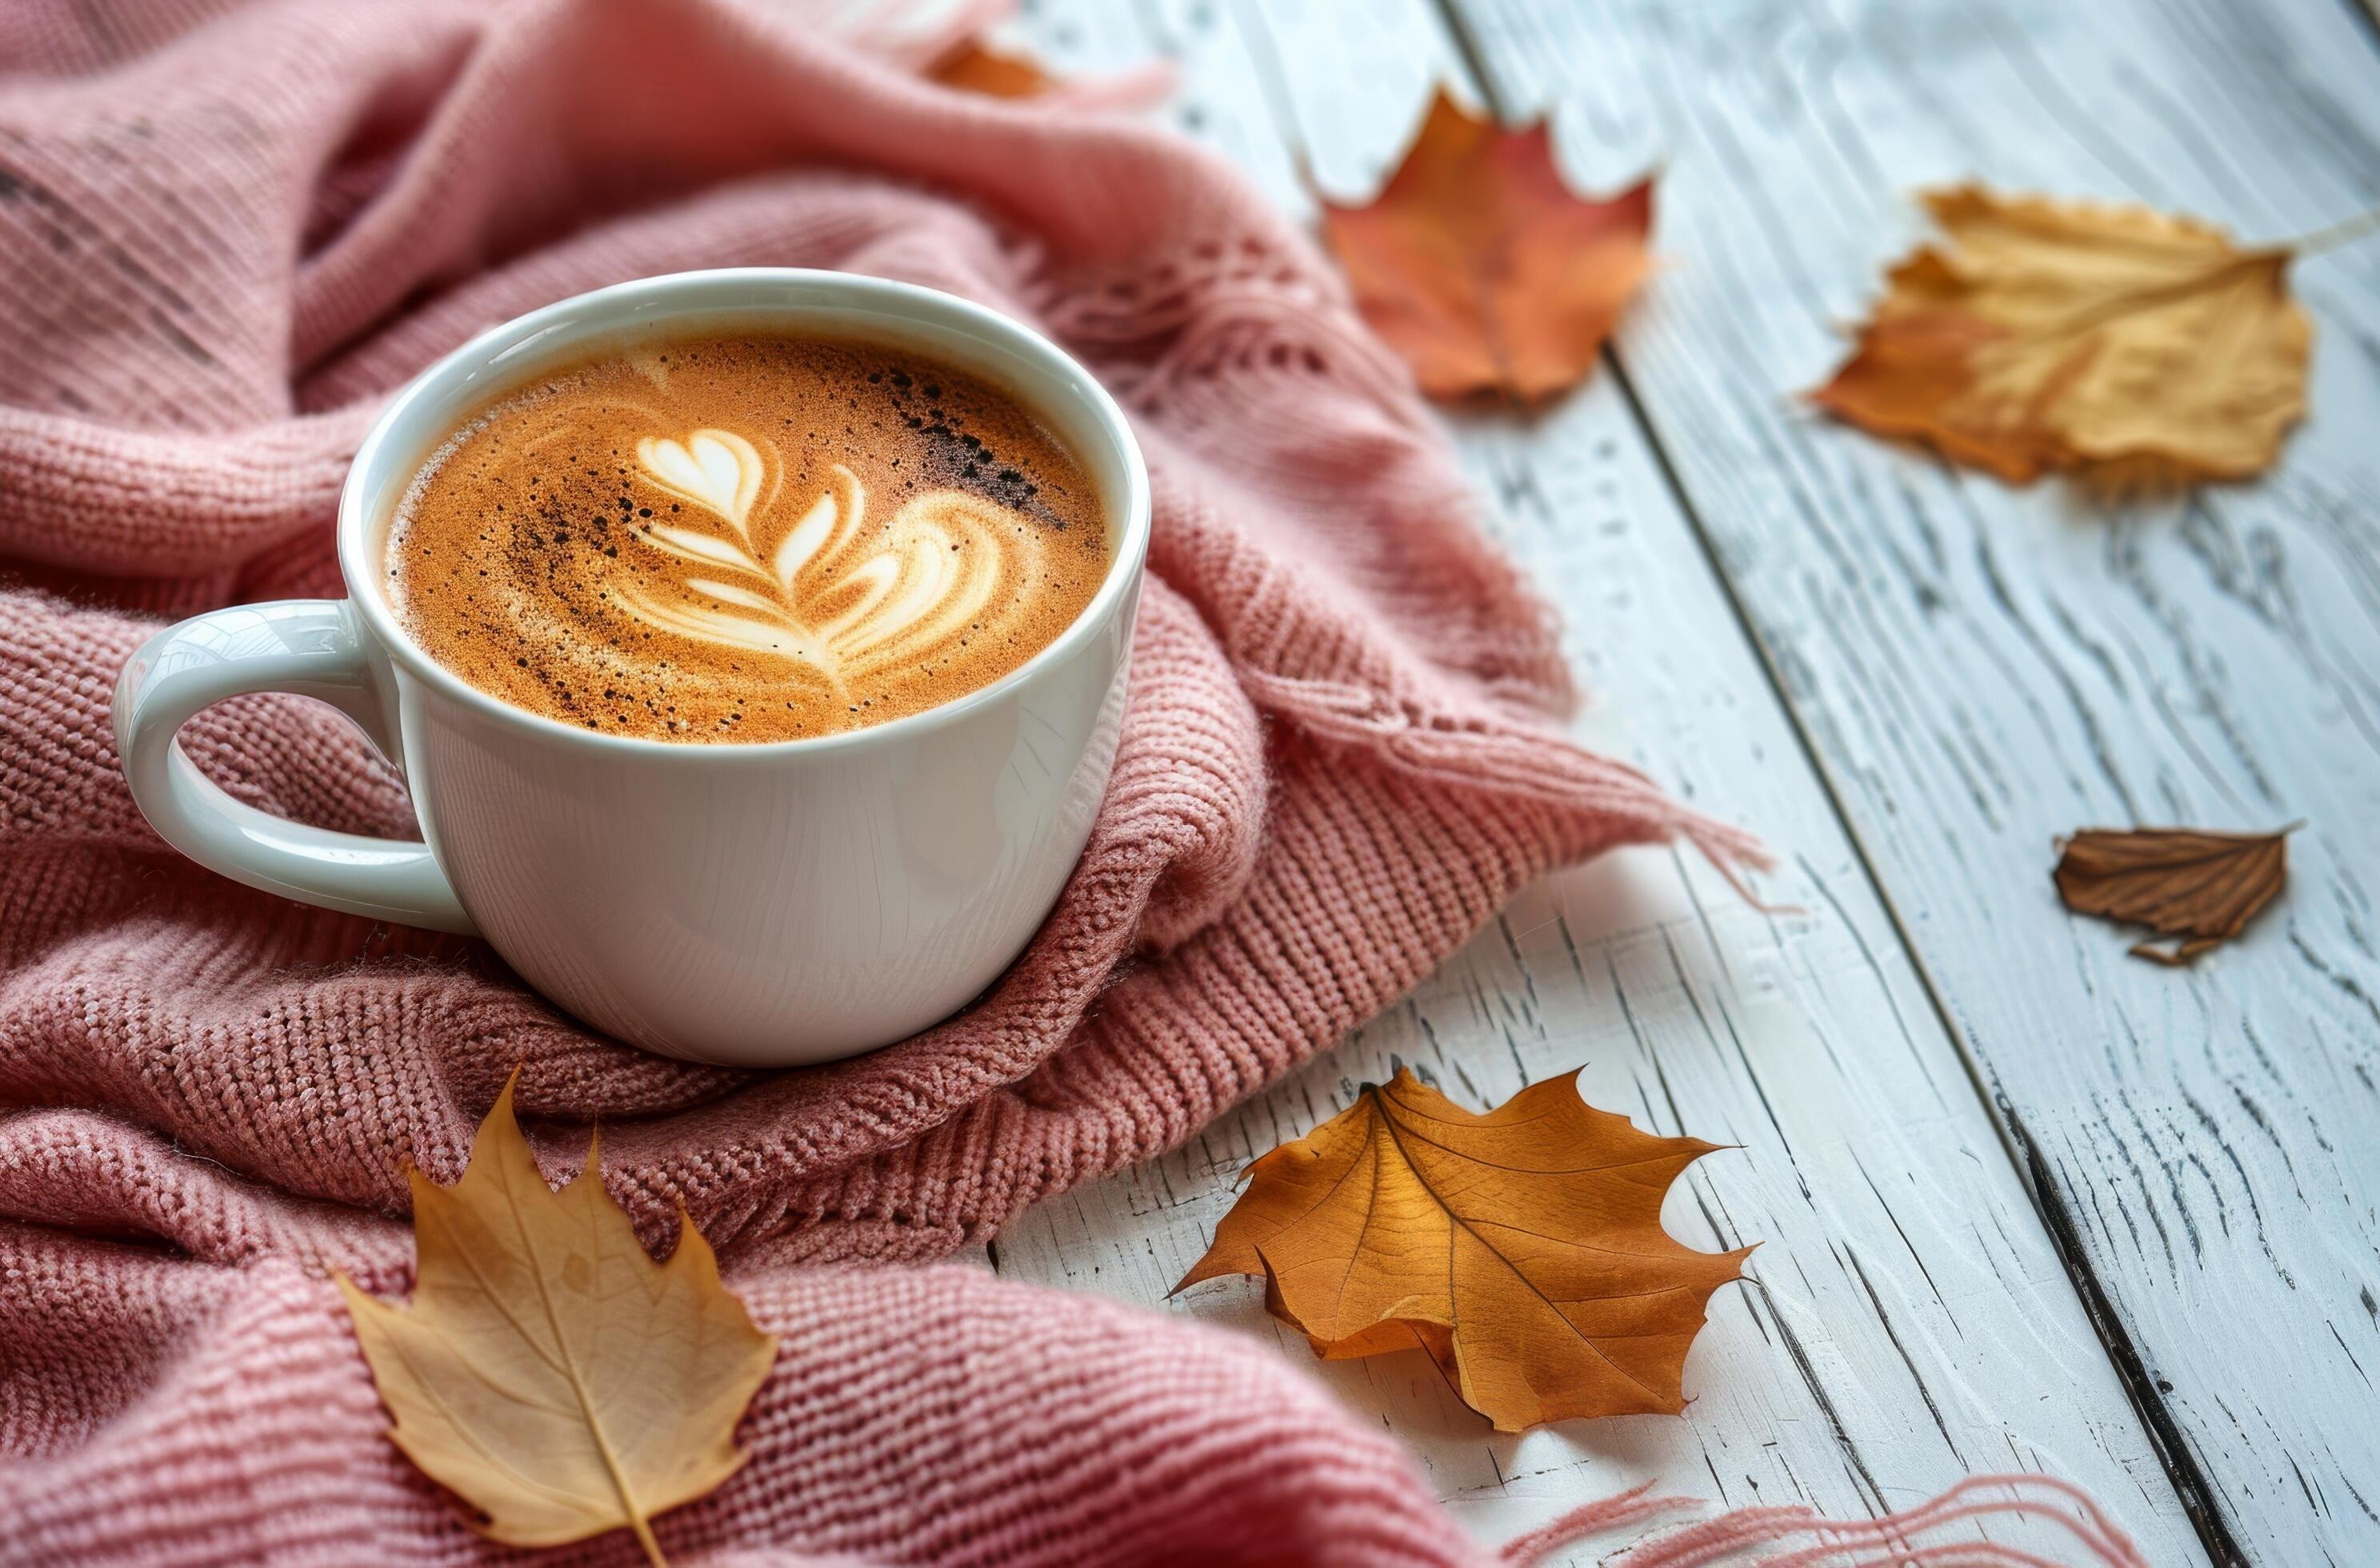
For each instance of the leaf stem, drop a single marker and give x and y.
(2347, 231)
(577, 1379)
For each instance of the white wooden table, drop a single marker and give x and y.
(2026, 1203)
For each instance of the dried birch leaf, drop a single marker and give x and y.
(2200, 887)
(1477, 264)
(1522, 1249)
(548, 1372)
(2132, 349)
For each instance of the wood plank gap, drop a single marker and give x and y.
(2181, 1466)
(2190, 1482)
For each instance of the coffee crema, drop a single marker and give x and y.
(745, 538)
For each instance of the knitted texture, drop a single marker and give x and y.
(225, 237)
(1117, 1439)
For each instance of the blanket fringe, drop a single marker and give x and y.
(1497, 754)
(1802, 1538)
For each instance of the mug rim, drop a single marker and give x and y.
(457, 371)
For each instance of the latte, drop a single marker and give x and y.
(745, 538)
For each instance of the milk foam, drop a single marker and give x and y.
(637, 548)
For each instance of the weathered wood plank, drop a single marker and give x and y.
(1980, 669)
(1912, 1322)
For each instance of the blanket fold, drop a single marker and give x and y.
(226, 252)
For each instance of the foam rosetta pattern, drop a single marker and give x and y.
(839, 598)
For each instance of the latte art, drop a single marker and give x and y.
(639, 548)
(826, 592)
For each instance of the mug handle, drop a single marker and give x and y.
(308, 645)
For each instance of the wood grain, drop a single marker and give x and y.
(1910, 1321)
(1981, 668)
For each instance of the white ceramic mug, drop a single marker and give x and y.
(756, 905)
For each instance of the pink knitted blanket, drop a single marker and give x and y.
(225, 236)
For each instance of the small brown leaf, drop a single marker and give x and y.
(1478, 265)
(2202, 887)
(2132, 349)
(1522, 1249)
(972, 67)
(548, 1372)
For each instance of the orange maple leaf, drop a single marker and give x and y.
(1522, 1249)
(1481, 267)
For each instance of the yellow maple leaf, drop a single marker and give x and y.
(548, 1372)
(2132, 348)
(1522, 1249)
(1478, 265)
